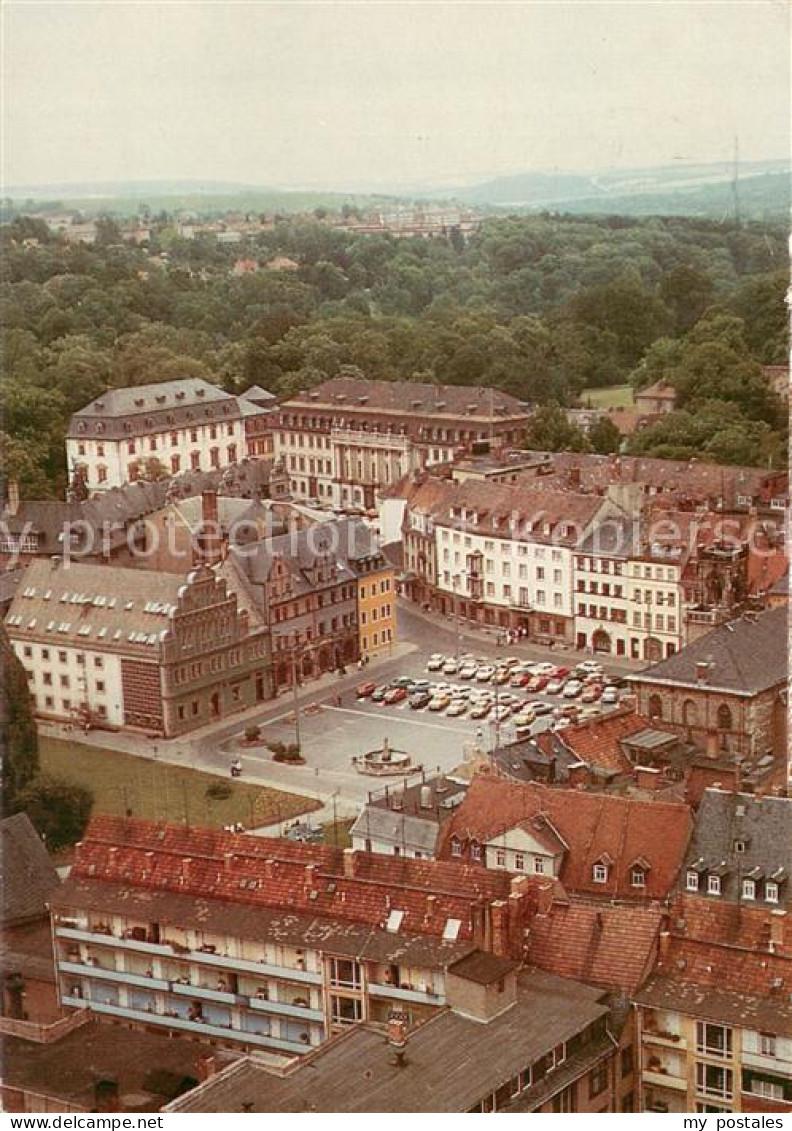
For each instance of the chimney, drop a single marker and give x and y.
(664, 946)
(575, 477)
(350, 864)
(426, 797)
(647, 777)
(702, 672)
(210, 537)
(499, 917)
(479, 917)
(206, 1067)
(777, 922)
(397, 1038)
(310, 876)
(12, 500)
(578, 774)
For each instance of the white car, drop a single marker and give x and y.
(450, 667)
(500, 713)
(589, 667)
(436, 662)
(524, 719)
(483, 675)
(542, 669)
(572, 689)
(468, 670)
(456, 707)
(555, 686)
(610, 695)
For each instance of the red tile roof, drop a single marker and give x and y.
(597, 743)
(593, 825)
(282, 874)
(605, 945)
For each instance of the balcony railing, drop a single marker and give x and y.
(201, 1028)
(399, 994)
(205, 957)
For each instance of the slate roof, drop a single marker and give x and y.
(166, 404)
(451, 1061)
(344, 394)
(593, 825)
(745, 657)
(29, 876)
(761, 825)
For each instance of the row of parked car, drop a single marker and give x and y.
(498, 703)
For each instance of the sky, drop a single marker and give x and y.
(366, 95)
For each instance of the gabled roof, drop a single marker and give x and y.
(349, 395)
(29, 876)
(744, 656)
(598, 742)
(590, 824)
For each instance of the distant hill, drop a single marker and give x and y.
(697, 190)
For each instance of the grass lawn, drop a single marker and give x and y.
(164, 792)
(614, 396)
(336, 833)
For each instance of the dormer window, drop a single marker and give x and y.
(713, 885)
(475, 850)
(749, 889)
(771, 892)
(692, 881)
(638, 877)
(739, 846)
(600, 873)
(456, 846)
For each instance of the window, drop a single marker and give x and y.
(346, 1010)
(539, 865)
(713, 885)
(345, 972)
(712, 1080)
(475, 850)
(500, 858)
(692, 881)
(771, 892)
(767, 1044)
(638, 878)
(565, 1101)
(101, 473)
(519, 862)
(713, 1040)
(768, 1089)
(598, 1080)
(600, 873)
(456, 846)
(655, 707)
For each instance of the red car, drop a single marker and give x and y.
(537, 683)
(363, 690)
(591, 693)
(561, 673)
(395, 695)
(519, 680)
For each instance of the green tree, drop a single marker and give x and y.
(604, 437)
(550, 430)
(18, 734)
(58, 809)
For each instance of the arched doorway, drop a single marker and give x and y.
(600, 641)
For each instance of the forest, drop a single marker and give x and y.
(543, 307)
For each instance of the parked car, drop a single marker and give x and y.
(379, 693)
(450, 667)
(468, 670)
(510, 662)
(539, 708)
(543, 669)
(537, 683)
(304, 833)
(421, 684)
(363, 690)
(403, 681)
(395, 695)
(420, 699)
(572, 688)
(436, 661)
(440, 702)
(591, 693)
(562, 673)
(501, 676)
(481, 709)
(519, 680)
(589, 666)
(455, 708)
(484, 674)
(524, 718)
(610, 696)
(555, 687)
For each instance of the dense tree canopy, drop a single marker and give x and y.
(18, 734)
(542, 307)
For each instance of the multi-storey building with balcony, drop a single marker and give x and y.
(264, 944)
(345, 439)
(181, 425)
(131, 648)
